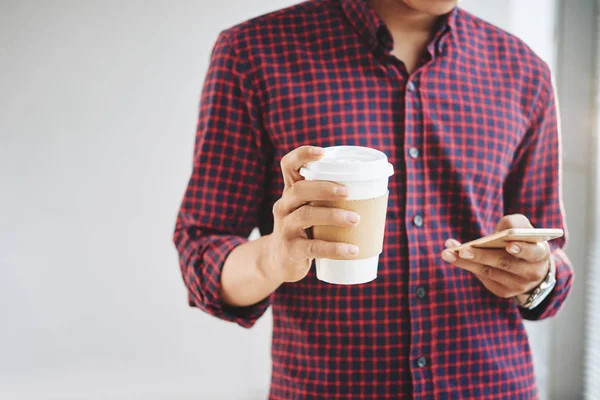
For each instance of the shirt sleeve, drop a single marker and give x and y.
(222, 202)
(534, 189)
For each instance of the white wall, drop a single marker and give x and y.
(98, 109)
(97, 115)
(576, 90)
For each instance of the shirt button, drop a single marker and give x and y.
(421, 292)
(421, 362)
(413, 152)
(418, 221)
(411, 86)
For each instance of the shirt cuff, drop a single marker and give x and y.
(213, 259)
(554, 301)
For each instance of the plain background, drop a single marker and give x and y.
(98, 106)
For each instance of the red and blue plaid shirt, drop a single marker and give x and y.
(473, 136)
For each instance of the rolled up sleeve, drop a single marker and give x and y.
(534, 189)
(221, 205)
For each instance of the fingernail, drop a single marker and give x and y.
(353, 217)
(449, 256)
(452, 243)
(351, 249)
(341, 191)
(315, 151)
(466, 254)
(514, 249)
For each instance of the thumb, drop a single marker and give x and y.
(513, 221)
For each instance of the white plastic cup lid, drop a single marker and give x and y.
(348, 164)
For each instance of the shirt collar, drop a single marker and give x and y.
(365, 21)
(372, 28)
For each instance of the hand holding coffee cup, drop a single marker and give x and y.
(365, 173)
(290, 251)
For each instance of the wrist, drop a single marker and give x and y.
(265, 262)
(534, 297)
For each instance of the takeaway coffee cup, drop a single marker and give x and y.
(365, 173)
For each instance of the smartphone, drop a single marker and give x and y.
(500, 240)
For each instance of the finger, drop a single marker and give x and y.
(294, 160)
(305, 191)
(515, 283)
(450, 243)
(310, 248)
(308, 216)
(499, 259)
(531, 252)
(513, 221)
(496, 258)
(495, 287)
(449, 256)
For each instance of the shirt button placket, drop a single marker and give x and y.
(416, 194)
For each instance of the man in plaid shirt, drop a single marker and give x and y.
(467, 115)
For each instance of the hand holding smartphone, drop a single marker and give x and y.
(500, 240)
